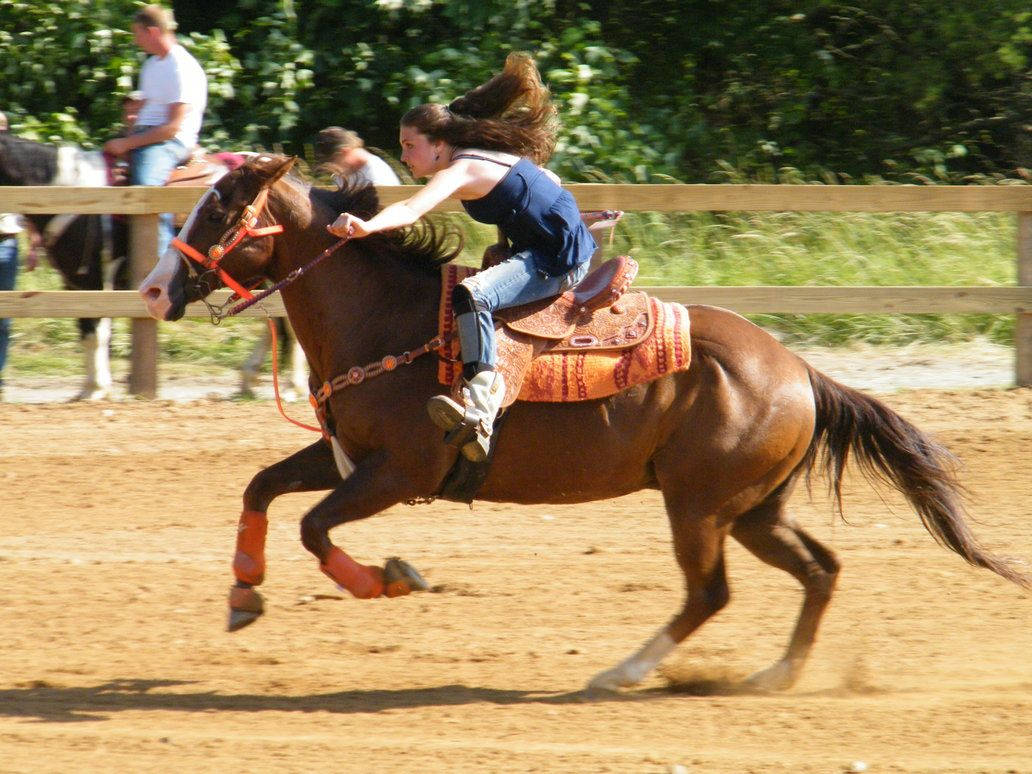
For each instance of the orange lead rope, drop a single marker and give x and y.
(275, 381)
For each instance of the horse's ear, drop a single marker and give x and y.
(272, 168)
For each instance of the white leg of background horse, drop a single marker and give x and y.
(297, 364)
(294, 379)
(96, 347)
(253, 365)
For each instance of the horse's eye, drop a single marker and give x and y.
(214, 216)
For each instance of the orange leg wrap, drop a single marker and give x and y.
(363, 581)
(249, 560)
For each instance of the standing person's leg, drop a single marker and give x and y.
(152, 165)
(8, 275)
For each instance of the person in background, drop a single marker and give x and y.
(119, 168)
(343, 153)
(11, 227)
(174, 90)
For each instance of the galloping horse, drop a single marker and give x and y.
(76, 246)
(725, 441)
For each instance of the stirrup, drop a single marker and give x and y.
(479, 448)
(473, 443)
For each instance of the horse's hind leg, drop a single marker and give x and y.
(699, 548)
(311, 469)
(773, 536)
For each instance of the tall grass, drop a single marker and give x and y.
(800, 248)
(681, 249)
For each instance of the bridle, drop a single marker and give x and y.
(246, 227)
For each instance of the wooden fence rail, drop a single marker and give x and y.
(142, 204)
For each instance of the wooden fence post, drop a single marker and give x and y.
(143, 367)
(1023, 326)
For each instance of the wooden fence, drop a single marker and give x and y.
(142, 204)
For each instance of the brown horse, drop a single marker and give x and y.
(725, 441)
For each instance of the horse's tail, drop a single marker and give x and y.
(888, 447)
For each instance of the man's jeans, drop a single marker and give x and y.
(510, 283)
(152, 165)
(8, 274)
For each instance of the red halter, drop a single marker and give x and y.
(229, 240)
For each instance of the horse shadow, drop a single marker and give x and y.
(43, 702)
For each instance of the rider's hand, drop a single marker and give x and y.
(116, 147)
(348, 225)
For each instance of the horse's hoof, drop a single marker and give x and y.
(610, 681)
(779, 677)
(401, 578)
(98, 393)
(245, 607)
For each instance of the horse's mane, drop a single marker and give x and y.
(424, 245)
(24, 162)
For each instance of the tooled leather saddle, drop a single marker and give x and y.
(596, 315)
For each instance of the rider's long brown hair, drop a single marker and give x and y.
(512, 112)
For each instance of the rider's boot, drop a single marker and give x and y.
(482, 397)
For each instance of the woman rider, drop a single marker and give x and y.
(485, 149)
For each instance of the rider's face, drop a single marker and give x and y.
(422, 155)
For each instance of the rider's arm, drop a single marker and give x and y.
(404, 213)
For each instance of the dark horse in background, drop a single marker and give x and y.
(91, 252)
(725, 441)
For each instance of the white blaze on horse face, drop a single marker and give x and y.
(79, 167)
(155, 285)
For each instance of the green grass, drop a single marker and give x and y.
(680, 249)
(834, 249)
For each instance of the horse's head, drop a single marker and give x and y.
(221, 243)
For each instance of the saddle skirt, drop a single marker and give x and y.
(561, 350)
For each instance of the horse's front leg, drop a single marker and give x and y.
(311, 469)
(374, 485)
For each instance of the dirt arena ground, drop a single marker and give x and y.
(115, 542)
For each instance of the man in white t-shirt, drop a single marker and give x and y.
(174, 90)
(343, 153)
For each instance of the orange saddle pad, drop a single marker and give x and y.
(571, 376)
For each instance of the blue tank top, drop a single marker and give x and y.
(536, 215)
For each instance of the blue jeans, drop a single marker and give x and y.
(511, 283)
(152, 165)
(8, 274)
